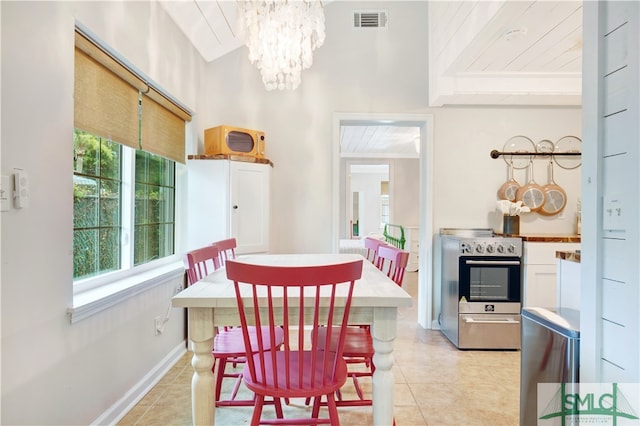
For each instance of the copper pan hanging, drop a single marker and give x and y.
(555, 198)
(509, 189)
(531, 194)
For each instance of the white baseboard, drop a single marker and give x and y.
(117, 411)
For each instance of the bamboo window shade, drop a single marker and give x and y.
(106, 101)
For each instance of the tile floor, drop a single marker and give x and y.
(435, 384)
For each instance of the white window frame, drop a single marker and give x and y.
(126, 236)
(94, 294)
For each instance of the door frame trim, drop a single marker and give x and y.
(425, 122)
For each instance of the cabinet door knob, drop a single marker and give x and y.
(235, 207)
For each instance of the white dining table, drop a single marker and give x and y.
(211, 302)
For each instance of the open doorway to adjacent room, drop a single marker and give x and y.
(383, 174)
(368, 205)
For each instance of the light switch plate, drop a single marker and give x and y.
(5, 193)
(613, 213)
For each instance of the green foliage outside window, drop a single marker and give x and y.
(98, 204)
(154, 207)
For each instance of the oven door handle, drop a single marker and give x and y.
(496, 321)
(493, 262)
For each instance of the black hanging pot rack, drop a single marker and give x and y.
(496, 154)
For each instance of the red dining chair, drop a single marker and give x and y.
(393, 262)
(372, 244)
(358, 347)
(201, 262)
(287, 295)
(227, 249)
(228, 345)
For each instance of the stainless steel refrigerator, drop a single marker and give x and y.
(550, 354)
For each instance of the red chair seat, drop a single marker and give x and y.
(228, 347)
(230, 341)
(299, 386)
(358, 349)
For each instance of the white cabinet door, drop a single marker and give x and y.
(250, 206)
(228, 199)
(540, 273)
(540, 286)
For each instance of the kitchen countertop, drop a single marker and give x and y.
(548, 238)
(571, 256)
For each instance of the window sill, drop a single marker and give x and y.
(90, 302)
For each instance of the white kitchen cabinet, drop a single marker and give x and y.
(540, 274)
(411, 244)
(568, 283)
(228, 199)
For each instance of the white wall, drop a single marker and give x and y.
(467, 179)
(609, 293)
(54, 372)
(405, 190)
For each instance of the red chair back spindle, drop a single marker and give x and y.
(393, 262)
(200, 262)
(227, 249)
(372, 245)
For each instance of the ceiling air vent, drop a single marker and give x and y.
(370, 19)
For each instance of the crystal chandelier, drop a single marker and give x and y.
(281, 36)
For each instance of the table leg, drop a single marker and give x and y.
(383, 331)
(201, 333)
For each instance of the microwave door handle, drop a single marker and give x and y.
(493, 262)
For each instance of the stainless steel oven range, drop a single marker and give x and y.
(481, 289)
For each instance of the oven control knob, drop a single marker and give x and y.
(500, 248)
(479, 248)
(512, 248)
(466, 248)
(490, 248)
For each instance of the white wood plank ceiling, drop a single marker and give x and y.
(379, 140)
(482, 52)
(516, 52)
(210, 25)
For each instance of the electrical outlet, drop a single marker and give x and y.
(158, 323)
(21, 188)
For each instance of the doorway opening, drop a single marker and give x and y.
(368, 205)
(366, 132)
